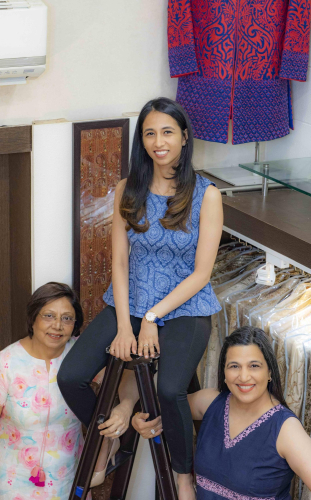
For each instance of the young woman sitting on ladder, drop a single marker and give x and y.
(167, 226)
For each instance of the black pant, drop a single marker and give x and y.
(182, 343)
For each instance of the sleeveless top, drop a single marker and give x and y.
(247, 467)
(161, 258)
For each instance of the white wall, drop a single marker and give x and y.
(298, 143)
(213, 154)
(104, 58)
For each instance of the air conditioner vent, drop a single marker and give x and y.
(14, 4)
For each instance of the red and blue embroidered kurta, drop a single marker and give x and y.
(235, 59)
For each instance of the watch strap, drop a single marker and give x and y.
(159, 321)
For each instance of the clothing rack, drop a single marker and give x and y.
(272, 257)
(283, 311)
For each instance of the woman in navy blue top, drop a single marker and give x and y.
(166, 230)
(250, 443)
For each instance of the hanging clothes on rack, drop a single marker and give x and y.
(265, 316)
(283, 311)
(235, 278)
(229, 304)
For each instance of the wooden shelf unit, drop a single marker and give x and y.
(15, 231)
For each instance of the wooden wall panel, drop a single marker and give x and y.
(5, 285)
(15, 139)
(100, 162)
(20, 240)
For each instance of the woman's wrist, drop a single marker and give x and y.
(127, 405)
(124, 324)
(152, 317)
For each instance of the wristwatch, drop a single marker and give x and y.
(151, 317)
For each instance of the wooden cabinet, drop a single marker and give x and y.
(15, 231)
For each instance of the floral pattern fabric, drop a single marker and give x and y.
(27, 390)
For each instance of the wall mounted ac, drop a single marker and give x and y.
(23, 34)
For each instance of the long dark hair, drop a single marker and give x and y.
(133, 201)
(48, 292)
(249, 335)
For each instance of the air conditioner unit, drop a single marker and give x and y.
(23, 34)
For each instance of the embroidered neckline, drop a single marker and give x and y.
(229, 443)
(224, 492)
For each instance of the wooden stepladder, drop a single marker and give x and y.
(144, 370)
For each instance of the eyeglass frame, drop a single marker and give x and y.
(55, 319)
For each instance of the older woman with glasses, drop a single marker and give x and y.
(40, 438)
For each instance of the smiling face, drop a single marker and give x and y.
(163, 139)
(53, 334)
(246, 372)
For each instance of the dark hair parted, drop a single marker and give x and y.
(133, 201)
(249, 335)
(47, 293)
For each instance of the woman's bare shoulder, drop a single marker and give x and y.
(121, 185)
(200, 402)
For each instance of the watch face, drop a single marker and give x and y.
(150, 316)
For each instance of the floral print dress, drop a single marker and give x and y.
(27, 390)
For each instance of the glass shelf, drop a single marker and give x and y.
(294, 173)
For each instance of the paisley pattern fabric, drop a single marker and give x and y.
(27, 390)
(160, 259)
(251, 467)
(230, 57)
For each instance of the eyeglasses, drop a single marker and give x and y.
(65, 319)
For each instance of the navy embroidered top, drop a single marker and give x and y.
(161, 258)
(247, 467)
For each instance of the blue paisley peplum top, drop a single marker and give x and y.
(161, 258)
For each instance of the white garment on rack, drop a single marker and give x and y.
(306, 493)
(294, 390)
(214, 345)
(267, 296)
(298, 298)
(280, 329)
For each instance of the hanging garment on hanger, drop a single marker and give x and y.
(295, 364)
(306, 493)
(234, 60)
(216, 337)
(226, 257)
(239, 260)
(247, 282)
(229, 303)
(231, 262)
(227, 247)
(229, 275)
(281, 291)
(298, 483)
(249, 275)
(210, 379)
(256, 312)
(279, 329)
(307, 407)
(265, 316)
(269, 294)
